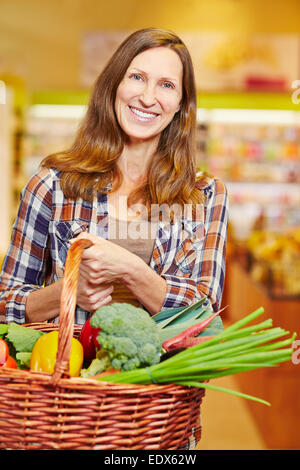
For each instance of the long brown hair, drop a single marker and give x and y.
(91, 162)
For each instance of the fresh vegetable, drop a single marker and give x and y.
(10, 363)
(170, 353)
(106, 372)
(178, 315)
(22, 338)
(44, 352)
(20, 341)
(169, 324)
(188, 342)
(4, 351)
(98, 365)
(88, 339)
(128, 335)
(174, 321)
(181, 338)
(3, 330)
(23, 360)
(5, 359)
(237, 348)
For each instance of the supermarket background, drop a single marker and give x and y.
(247, 62)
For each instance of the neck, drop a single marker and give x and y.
(134, 160)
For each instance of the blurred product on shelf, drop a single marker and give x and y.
(274, 261)
(254, 153)
(48, 129)
(251, 145)
(257, 154)
(274, 205)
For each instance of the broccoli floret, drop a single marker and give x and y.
(98, 365)
(128, 334)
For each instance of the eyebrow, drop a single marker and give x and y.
(161, 78)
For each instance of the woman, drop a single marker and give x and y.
(134, 149)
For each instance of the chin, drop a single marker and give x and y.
(142, 136)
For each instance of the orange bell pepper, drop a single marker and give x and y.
(44, 352)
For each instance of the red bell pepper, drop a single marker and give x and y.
(88, 339)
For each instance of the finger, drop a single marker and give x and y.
(101, 303)
(92, 253)
(95, 283)
(91, 275)
(105, 291)
(88, 297)
(95, 295)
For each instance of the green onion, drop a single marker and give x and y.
(232, 392)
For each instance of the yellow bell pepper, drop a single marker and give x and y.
(44, 352)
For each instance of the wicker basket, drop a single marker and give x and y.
(54, 411)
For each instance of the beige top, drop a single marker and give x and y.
(136, 236)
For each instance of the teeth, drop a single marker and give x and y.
(143, 115)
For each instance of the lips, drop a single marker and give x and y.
(144, 116)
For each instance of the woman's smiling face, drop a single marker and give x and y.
(150, 93)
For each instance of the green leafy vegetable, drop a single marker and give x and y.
(3, 329)
(22, 338)
(178, 315)
(173, 321)
(23, 359)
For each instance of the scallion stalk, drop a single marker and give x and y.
(222, 389)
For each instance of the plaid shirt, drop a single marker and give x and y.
(189, 254)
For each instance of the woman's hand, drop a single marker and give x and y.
(104, 262)
(91, 296)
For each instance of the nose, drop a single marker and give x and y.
(148, 96)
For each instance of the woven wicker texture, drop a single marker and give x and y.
(44, 411)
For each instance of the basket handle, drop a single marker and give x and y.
(67, 307)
